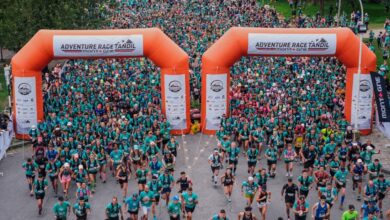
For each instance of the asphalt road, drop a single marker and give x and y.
(16, 204)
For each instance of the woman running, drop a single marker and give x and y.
(141, 175)
(289, 156)
(227, 179)
(123, 178)
(102, 158)
(52, 170)
(263, 199)
(92, 168)
(84, 192)
(30, 168)
(65, 178)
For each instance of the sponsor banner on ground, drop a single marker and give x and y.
(292, 44)
(175, 100)
(362, 102)
(216, 99)
(25, 104)
(98, 46)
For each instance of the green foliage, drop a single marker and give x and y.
(21, 19)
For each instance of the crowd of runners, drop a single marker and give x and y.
(103, 117)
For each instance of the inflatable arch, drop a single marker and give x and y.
(240, 41)
(47, 45)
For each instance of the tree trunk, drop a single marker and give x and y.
(1, 54)
(322, 7)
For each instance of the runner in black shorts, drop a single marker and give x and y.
(215, 163)
(290, 192)
(227, 180)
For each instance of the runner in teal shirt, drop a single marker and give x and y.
(190, 201)
(114, 209)
(61, 209)
(174, 208)
(133, 203)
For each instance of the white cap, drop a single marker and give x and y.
(33, 126)
(359, 161)
(66, 164)
(250, 178)
(69, 123)
(81, 167)
(369, 148)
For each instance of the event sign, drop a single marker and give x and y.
(216, 99)
(381, 97)
(25, 103)
(97, 46)
(362, 114)
(175, 100)
(291, 44)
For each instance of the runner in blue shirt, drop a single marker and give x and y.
(132, 204)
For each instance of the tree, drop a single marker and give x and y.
(21, 19)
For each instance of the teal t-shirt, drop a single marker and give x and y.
(190, 199)
(341, 176)
(81, 210)
(146, 198)
(61, 210)
(113, 210)
(132, 204)
(174, 208)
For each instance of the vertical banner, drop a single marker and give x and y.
(175, 100)
(362, 103)
(216, 99)
(381, 97)
(25, 104)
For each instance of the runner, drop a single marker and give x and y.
(304, 183)
(340, 179)
(167, 182)
(65, 178)
(309, 155)
(40, 186)
(248, 190)
(84, 192)
(155, 166)
(334, 166)
(374, 169)
(321, 210)
(232, 155)
(102, 158)
(247, 214)
(81, 209)
(184, 182)
(141, 175)
(272, 155)
(227, 180)
(172, 146)
(80, 176)
(220, 216)
(252, 156)
(156, 187)
(52, 170)
(114, 210)
(383, 186)
(369, 208)
(146, 198)
(290, 192)
(30, 168)
(301, 208)
(215, 163)
(258, 138)
(174, 208)
(263, 200)
(357, 172)
(350, 214)
(61, 209)
(132, 204)
(93, 167)
(190, 201)
(116, 158)
(289, 156)
(262, 178)
(370, 192)
(122, 176)
(329, 192)
(321, 177)
(169, 161)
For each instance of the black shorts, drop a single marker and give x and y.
(123, 181)
(84, 217)
(60, 218)
(166, 190)
(213, 169)
(227, 183)
(251, 164)
(381, 196)
(271, 162)
(174, 218)
(141, 181)
(30, 176)
(289, 199)
(113, 218)
(304, 192)
(157, 199)
(339, 186)
(297, 217)
(308, 164)
(358, 179)
(233, 162)
(133, 212)
(52, 178)
(189, 209)
(39, 195)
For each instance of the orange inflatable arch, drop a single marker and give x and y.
(47, 45)
(241, 41)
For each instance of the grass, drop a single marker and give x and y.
(378, 53)
(376, 11)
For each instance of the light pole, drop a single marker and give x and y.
(338, 13)
(356, 127)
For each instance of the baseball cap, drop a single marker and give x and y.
(176, 198)
(359, 160)
(250, 178)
